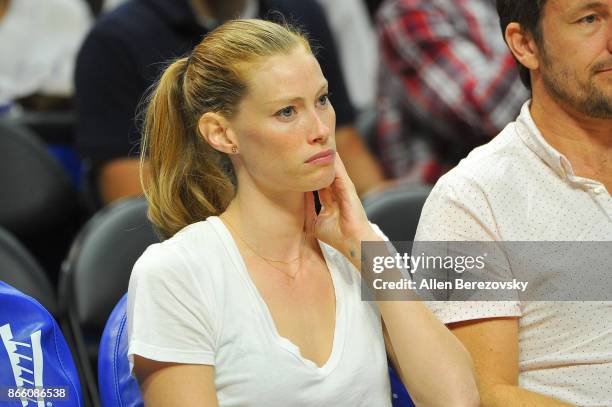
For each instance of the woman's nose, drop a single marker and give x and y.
(320, 130)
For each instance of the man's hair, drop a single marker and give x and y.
(529, 14)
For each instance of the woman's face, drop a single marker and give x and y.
(285, 125)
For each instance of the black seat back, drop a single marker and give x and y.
(397, 211)
(96, 273)
(97, 270)
(19, 269)
(36, 193)
(38, 202)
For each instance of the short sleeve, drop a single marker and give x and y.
(457, 210)
(170, 312)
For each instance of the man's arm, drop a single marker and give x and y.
(120, 178)
(493, 345)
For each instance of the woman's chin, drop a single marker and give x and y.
(323, 180)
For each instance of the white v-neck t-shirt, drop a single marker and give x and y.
(191, 300)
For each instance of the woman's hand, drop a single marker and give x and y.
(342, 222)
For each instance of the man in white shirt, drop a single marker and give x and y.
(545, 177)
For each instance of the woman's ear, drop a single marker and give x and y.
(214, 128)
(523, 46)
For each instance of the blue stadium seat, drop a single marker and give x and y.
(117, 388)
(34, 354)
(400, 396)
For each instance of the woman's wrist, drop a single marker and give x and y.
(352, 249)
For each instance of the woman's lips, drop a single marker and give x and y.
(324, 157)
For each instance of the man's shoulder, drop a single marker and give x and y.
(129, 19)
(135, 37)
(499, 159)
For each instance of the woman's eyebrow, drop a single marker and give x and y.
(290, 99)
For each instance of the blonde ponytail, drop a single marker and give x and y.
(185, 181)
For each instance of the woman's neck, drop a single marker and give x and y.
(272, 224)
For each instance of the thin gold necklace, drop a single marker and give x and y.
(271, 261)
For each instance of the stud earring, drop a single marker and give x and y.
(234, 149)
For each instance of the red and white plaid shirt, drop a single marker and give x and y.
(447, 83)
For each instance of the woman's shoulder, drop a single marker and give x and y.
(192, 247)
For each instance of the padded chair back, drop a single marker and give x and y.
(117, 387)
(36, 191)
(97, 270)
(96, 274)
(19, 269)
(33, 353)
(397, 211)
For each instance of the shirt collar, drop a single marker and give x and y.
(533, 139)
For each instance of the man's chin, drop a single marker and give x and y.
(599, 109)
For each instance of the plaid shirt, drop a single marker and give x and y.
(447, 83)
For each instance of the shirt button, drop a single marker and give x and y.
(599, 190)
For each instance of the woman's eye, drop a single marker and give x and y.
(286, 112)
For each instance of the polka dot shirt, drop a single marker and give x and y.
(519, 188)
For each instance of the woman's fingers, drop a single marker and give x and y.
(326, 197)
(342, 186)
(340, 168)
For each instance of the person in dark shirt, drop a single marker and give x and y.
(128, 48)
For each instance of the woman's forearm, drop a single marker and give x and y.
(434, 365)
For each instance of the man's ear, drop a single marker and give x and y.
(523, 46)
(214, 128)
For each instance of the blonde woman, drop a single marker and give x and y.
(254, 299)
